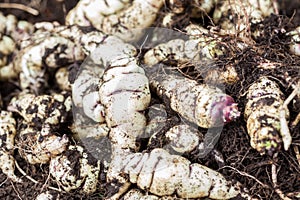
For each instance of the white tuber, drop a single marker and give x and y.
(202, 104)
(164, 174)
(262, 113)
(7, 141)
(64, 169)
(117, 17)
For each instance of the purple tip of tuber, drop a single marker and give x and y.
(225, 109)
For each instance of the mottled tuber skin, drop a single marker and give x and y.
(136, 194)
(183, 138)
(62, 169)
(42, 115)
(116, 17)
(46, 112)
(49, 48)
(38, 149)
(295, 40)
(202, 104)
(262, 113)
(44, 53)
(202, 48)
(45, 196)
(7, 141)
(236, 16)
(62, 79)
(202, 45)
(11, 32)
(164, 174)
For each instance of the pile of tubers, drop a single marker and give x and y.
(114, 87)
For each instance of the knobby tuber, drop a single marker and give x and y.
(7, 141)
(74, 169)
(116, 17)
(236, 16)
(42, 115)
(262, 113)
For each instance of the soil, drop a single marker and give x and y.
(241, 162)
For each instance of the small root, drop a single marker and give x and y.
(284, 129)
(274, 180)
(3, 182)
(247, 175)
(18, 194)
(294, 195)
(33, 180)
(296, 150)
(121, 191)
(24, 173)
(20, 7)
(296, 121)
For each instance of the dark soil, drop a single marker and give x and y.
(242, 163)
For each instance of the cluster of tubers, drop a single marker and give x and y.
(111, 91)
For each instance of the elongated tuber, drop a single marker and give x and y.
(202, 104)
(262, 113)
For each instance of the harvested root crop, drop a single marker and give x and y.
(236, 16)
(202, 45)
(16, 29)
(36, 148)
(11, 32)
(201, 50)
(262, 113)
(124, 93)
(164, 174)
(7, 141)
(117, 17)
(48, 52)
(74, 169)
(62, 79)
(136, 194)
(45, 112)
(156, 121)
(202, 104)
(124, 83)
(42, 115)
(183, 138)
(295, 41)
(50, 47)
(178, 9)
(45, 196)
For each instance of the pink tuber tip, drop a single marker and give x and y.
(225, 109)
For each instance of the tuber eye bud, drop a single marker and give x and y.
(224, 110)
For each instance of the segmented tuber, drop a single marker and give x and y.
(202, 104)
(262, 113)
(201, 49)
(164, 174)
